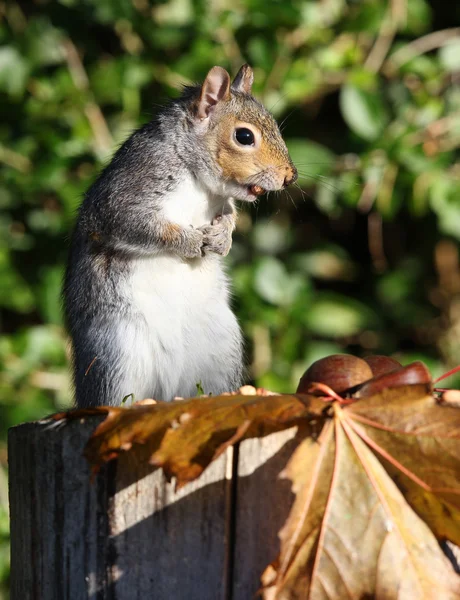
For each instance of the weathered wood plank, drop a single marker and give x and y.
(128, 535)
(169, 545)
(54, 521)
(262, 504)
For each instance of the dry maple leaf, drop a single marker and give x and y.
(185, 436)
(351, 533)
(374, 493)
(419, 443)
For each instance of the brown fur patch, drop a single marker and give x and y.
(171, 232)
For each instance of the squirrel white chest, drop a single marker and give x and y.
(190, 204)
(168, 290)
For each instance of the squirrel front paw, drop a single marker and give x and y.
(217, 237)
(192, 246)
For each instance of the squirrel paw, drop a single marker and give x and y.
(217, 237)
(193, 245)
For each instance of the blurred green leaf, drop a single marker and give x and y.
(44, 43)
(275, 284)
(336, 316)
(363, 111)
(449, 55)
(43, 343)
(272, 236)
(330, 262)
(445, 201)
(22, 299)
(312, 160)
(418, 17)
(14, 71)
(49, 294)
(174, 12)
(327, 195)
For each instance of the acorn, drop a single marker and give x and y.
(338, 371)
(381, 364)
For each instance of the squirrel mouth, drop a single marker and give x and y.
(256, 190)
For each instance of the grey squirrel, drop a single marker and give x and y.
(145, 293)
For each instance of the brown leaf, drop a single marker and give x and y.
(351, 534)
(184, 436)
(310, 470)
(419, 443)
(373, 492)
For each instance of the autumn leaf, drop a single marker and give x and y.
(351, 533)
(185, 436)
(376, 481)
(423, 440)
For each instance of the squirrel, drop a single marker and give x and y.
(146, 296)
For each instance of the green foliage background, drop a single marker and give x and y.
(361, 257)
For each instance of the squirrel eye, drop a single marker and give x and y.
(244, 136)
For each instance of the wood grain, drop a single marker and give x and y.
(126, 536)
(262, 504)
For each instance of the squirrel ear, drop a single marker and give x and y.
(216, 87)
(244, 80)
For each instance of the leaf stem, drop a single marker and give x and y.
(448, 374)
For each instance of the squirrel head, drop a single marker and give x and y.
(241, 136)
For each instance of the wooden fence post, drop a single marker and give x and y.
(128, 535)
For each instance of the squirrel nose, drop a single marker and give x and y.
(291, 177)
